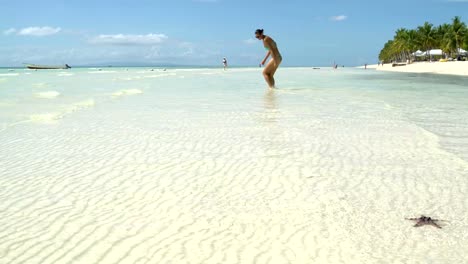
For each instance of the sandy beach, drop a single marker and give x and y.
(450, 68)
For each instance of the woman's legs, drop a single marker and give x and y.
(269, 72)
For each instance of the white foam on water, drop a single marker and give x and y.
(47, 95)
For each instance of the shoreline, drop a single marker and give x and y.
(459, 68)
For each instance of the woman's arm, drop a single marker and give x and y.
(266, 57)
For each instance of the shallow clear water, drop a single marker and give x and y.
(206, 166)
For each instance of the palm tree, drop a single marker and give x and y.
(448, 37)
(387, 53)
(400, 44)
(405, 42)
(427, 36)
(465, 44)
(459, 32)
(412, 41)
(444, 38)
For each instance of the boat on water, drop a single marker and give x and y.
(47, 67)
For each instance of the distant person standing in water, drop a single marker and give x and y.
(225, 63)
(276, 59)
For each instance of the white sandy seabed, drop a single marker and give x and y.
(291, 176)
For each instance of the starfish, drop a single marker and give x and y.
(424, 220)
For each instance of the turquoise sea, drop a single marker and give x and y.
(143, 165)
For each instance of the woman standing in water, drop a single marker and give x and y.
(272, 66)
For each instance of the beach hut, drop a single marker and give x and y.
(434, 52)
(418, 53)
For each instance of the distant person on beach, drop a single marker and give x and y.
(225, 64)
(276, 59)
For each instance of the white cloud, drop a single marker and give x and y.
(9, 31)
(338, 18)
(168, 52)
(250, 41)
(38, 31)
(122, 39)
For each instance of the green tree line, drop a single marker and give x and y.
(447, 37)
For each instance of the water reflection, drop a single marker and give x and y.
(270, 104)
(270, 99)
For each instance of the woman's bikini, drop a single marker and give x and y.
(279, 55)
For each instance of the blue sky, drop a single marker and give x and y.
(202, 32)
